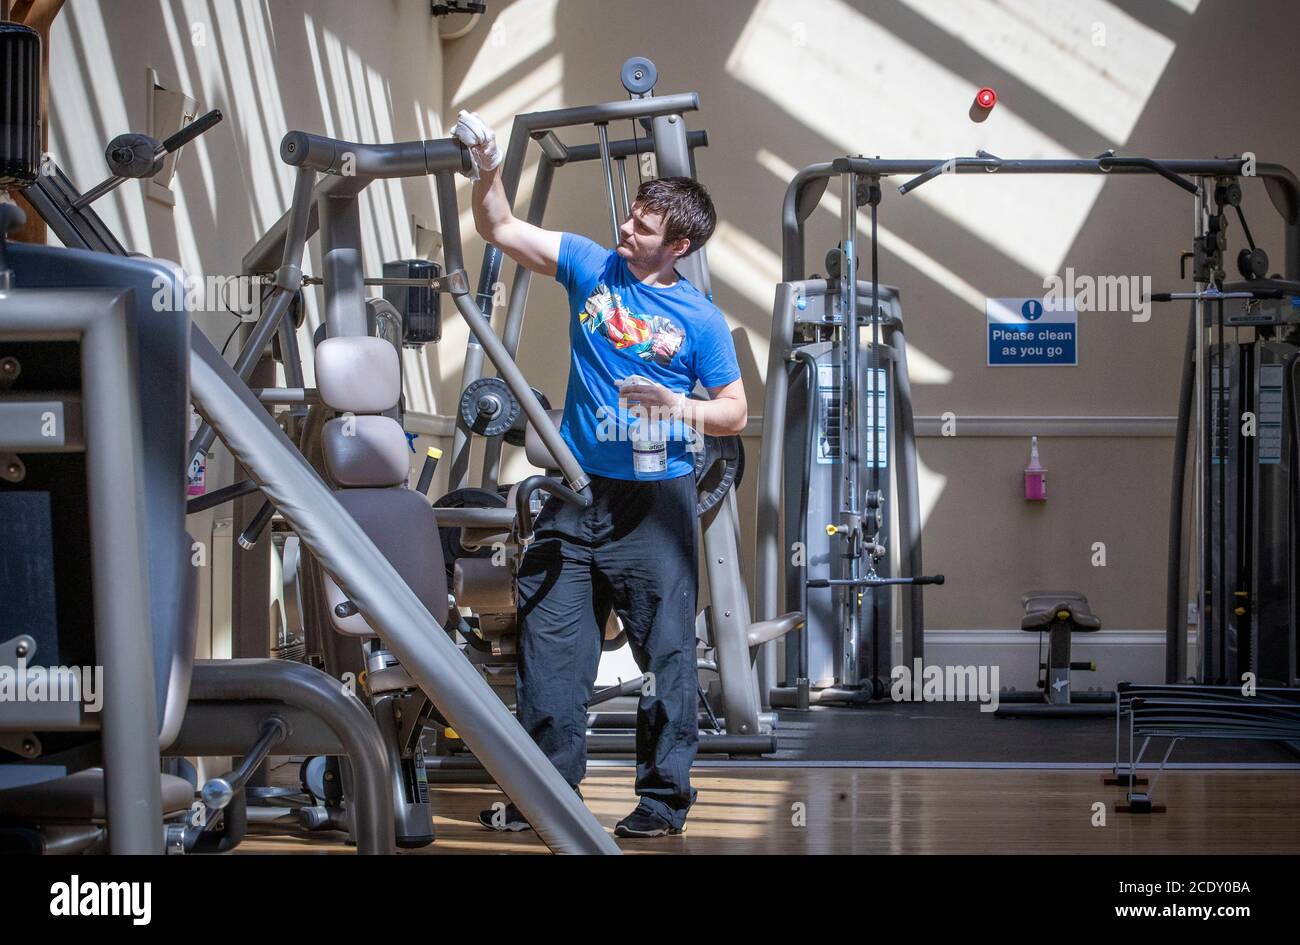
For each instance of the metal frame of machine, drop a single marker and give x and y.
(859, 184)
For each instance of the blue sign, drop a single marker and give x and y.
(1025, 332)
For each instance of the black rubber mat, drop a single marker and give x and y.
(959, 732)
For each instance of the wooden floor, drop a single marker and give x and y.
(906, 810)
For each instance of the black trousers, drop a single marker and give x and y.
(633, 548)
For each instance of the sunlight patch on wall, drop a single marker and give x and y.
(784, 54)
(81, 125)
(929, 485)
(1087, 56)
(541, 90)
(519, 32)
(752, 270)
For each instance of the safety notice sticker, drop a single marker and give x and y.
(1025, 332)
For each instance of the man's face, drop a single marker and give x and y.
(641, 240)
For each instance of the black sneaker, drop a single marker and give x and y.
(645, 823)
(502, 819)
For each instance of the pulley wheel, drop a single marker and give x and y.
(638, 75)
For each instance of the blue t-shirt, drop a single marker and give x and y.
(619, 326)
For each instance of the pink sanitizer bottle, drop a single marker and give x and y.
(1035, 476)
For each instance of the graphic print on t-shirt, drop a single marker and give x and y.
(651, 337)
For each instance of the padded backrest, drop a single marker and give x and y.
(535, 449)
(162, 353)
(366, 451)
(360, 374)
(402, 525)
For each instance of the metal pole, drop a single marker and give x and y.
(514, 323)
(847, 300)
(123, 637)
(909, 504)
(768, 551)
(673, 159)
(607, 171)
(625, 206)
(481, 328)
(1199, 504)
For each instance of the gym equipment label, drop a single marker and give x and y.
(1025, 332)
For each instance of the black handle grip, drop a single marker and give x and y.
(393, 159)
(426, 473)
(524, 495)
(1108, 161)
(255, 528)
(191, 131)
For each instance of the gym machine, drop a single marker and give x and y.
(345, 550)
(1241, 395)
(838, 432)
(99, 570)
(351, 433)
(469, 523)
(1255, 572)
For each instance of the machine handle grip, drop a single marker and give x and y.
(191, 131)
(524, 494)
(395, 159)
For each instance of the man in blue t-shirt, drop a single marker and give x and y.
(641, 338)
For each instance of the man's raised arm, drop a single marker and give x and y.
(530, 246)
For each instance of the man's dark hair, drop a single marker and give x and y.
(686, 206)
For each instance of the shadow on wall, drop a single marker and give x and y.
(270, 67)
(785, 84)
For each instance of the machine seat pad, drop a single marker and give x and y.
(1041, 608)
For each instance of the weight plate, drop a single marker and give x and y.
(718, 469)
(638, 75)
(450, 535)
(515, 435)
(487, 407)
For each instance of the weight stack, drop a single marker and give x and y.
(420, 307)
(20, 105)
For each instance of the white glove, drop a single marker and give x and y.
(636, 389)
(474, 133)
